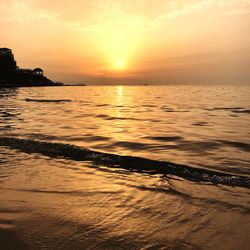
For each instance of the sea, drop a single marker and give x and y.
(125, 167)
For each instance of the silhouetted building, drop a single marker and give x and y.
(38, 71)
(11, 75)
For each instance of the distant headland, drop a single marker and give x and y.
(13, 76)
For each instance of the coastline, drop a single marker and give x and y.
(33, 84)
(12, 76)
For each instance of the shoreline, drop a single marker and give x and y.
(17, 85)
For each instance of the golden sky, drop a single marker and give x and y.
(130, 41)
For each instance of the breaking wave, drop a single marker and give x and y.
(126, 162)
(46, 100)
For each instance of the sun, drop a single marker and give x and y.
(119, 63)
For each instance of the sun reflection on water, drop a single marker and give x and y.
(120, 94)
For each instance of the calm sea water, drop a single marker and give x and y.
(57, 202)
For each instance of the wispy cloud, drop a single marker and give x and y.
(23, 11)
(193, 6)
(107, 15)
(102, 15)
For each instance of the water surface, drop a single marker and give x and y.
(53, 202)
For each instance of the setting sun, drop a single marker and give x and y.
(119, 63)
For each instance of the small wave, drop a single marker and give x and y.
(42, 136)
(121, 118)
(3, 176)
(232, 109)
(247, 111)
(200, 147)
(126, 162)
(240, 145)
(6, 127)
(88, 138)
(164, 138)
(200, 124)
(102, 105)
(6, 114)
(228, 108)
(110, 118)
(197, 147)
(102, 116)
(191, 199)
(167, 109)
(75, 193)
(131, 145)
(47, 100)
(149, 106)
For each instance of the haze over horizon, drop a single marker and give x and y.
(152, 41)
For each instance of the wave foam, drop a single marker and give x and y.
(127, 162)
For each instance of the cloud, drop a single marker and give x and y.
(22, 11)
(106, 15)
(189, 6)
(132, 15)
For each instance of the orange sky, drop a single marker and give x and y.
(155, 41)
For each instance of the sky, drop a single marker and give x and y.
(130, 41)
